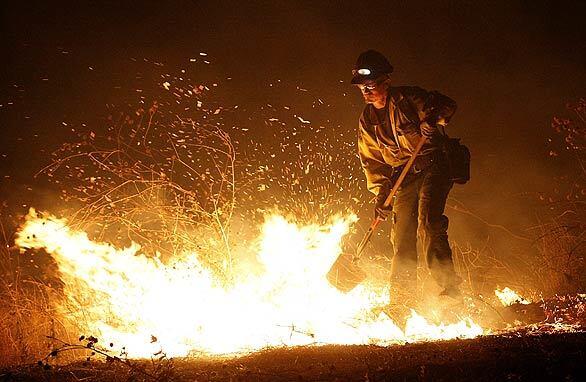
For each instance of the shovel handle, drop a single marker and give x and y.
(404, 172)
(366, 238)
(389, 199)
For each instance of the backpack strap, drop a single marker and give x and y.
(392, 116)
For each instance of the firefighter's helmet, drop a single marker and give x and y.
(370, 65)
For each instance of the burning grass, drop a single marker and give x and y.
(125, 296)
(163, 253)
(142, 307)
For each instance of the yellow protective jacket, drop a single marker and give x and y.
(385, 145)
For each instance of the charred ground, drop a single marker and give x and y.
(515, 356)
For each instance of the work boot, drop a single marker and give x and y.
(403, 298)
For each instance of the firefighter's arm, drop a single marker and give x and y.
(378, 173)
(432, 107)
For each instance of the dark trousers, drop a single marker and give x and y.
(420, 202)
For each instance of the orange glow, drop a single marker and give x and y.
(125, 297)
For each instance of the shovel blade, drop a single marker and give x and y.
(345, 274)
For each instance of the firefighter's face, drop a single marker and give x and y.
(374, 92)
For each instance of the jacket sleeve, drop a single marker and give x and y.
(432, 106)
(378, 173)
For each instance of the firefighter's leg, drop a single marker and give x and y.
(404, 239)
(433, 195)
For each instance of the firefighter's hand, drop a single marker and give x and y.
(381, 211)
(428, 131)
(382, 214)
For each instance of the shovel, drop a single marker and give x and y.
(345, 274)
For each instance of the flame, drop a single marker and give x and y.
(126, 297)
(508, 297)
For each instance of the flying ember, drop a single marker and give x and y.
(180, 307)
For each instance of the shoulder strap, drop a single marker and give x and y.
(392, 110)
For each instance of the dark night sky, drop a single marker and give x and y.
(510, 65)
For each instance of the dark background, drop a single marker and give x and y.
(510, 65)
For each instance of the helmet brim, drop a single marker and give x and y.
(360, 79)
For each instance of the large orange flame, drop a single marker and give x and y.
(126, 297)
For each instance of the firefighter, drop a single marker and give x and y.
(390, 126)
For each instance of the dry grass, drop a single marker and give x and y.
(164, 184)
(27, 314)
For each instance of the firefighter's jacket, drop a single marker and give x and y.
(386, 145)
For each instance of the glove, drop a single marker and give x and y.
(427, 130)
(380, 211)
